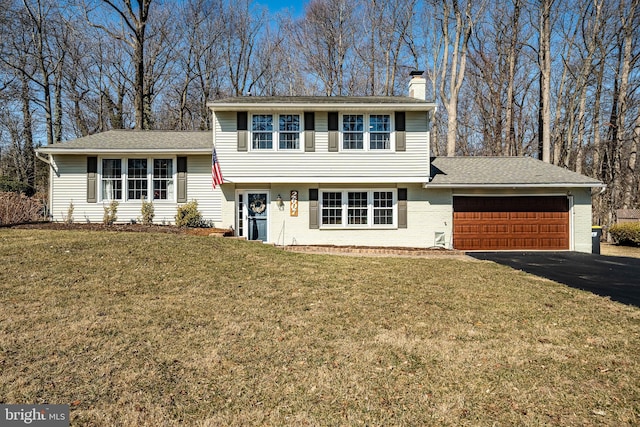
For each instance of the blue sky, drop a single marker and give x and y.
(296, 7)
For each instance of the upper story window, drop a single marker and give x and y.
(262, 132)
(287, 132)
(355, 137)
(353, 131)
(380, 132)
(139, 178)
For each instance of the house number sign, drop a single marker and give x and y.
(293, 206)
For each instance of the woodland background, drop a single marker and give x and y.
(552, 79)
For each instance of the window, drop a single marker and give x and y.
(262, 131)
(353, 132)
(162, 179)
(140, 175)
(379, 132)
(383, 207)
(377, 137)
(357, 207)
(111, 179)
(289, 132)
(137, 183)
(361, 208)
(331, 208)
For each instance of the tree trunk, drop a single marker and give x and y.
(544, 123)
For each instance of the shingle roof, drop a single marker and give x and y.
(319, 100)
(502, 171)
(131, 140)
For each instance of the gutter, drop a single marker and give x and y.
(279, 106)
(124, 150)
(513, 186)
(44, 159)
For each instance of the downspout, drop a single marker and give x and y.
(48, 160)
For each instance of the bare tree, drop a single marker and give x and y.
(456, 26)
(324, 37)
(133, 32)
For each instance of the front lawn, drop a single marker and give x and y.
(161, 329)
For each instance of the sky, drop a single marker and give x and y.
(296, 7)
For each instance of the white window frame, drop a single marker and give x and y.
(104, 197)
(370, 208)
(366, 132)
(124, 170)
(275, 132)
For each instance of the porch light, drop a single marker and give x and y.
(279, 202)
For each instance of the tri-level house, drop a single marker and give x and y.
(326, 171)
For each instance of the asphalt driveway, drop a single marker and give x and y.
(610, 276)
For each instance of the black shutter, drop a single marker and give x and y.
(92, 179)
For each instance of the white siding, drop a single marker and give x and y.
(427, 213)
(321, 165)
(582, 220)
(70, 186)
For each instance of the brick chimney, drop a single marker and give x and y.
(418, 85)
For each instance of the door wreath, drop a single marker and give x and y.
(258, 206)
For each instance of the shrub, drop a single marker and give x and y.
(626, 233)
(188, 215)
(11, 185)
(148, 212)
(69, 219)
(18, 208)
(110, 213)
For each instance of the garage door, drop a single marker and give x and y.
(511, 223)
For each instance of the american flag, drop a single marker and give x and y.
(216, 173)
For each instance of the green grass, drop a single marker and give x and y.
(160, 329)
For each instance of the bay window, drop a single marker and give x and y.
(358, 208)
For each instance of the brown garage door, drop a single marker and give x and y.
(510, 223)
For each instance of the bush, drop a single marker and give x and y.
(70, 209)
(626, 233)
(148, 212)
(110, 213)
(18, 208)
(188, 215)
(10, 185)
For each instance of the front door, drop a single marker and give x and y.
(253, 211)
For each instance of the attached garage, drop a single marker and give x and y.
(511, 223)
